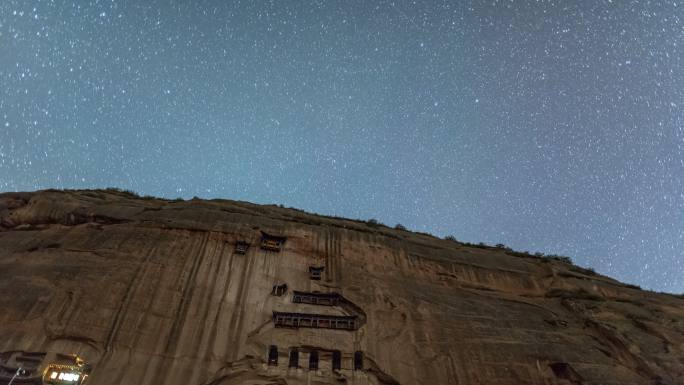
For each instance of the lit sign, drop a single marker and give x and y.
(65, 376)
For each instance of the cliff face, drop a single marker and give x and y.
(149, 291)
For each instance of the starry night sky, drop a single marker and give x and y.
(552, 126)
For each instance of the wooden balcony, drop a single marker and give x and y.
(301, 320)
(271, 242)
(321, 299)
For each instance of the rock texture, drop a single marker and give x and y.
(151, 291)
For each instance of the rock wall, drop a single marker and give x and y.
(151, 291)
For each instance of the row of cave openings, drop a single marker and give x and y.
(293, 361)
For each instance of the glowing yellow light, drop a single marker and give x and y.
(53, 375)
(61, 376)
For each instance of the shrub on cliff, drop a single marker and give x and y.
(561, 258)
(122, 191)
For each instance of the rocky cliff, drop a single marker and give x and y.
(152, 291)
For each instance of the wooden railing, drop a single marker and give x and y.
(324, 299)
(302, 320)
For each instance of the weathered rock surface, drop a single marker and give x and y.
(150, 291)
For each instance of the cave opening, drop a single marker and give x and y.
(294, 358)
(241, 247)
(336, 360)
(564, 371)
(273, 355)
(313, 360)
(315, 272)
(279, 290)
(358, 360)
(271, 242)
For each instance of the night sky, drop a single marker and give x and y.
(551, 126)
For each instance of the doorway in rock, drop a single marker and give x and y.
(313, 360)
(273, 355)
(358, 360)
(294, 358)
(336, 360)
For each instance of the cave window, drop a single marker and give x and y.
(358, 360)
(241, 247)
(564, 371)
(271, 242)
(294, 358)
(279, 290)
(273, 355)
(313, 360)
(336, 360)
(316, 272)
